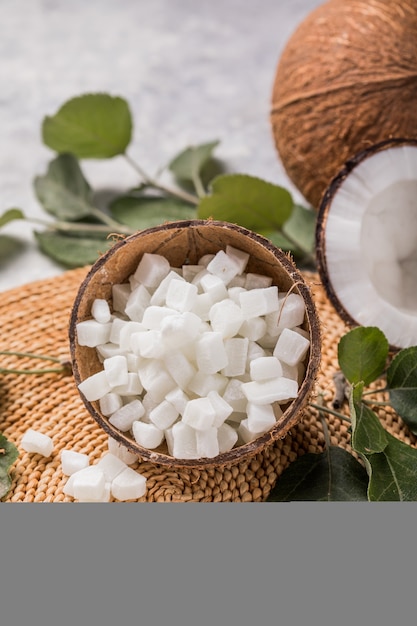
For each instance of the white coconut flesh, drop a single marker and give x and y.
(371, 243)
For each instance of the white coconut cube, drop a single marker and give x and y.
(240, 257)
(95, 386)
(151, 269)
(214, 286)
(255, 351)
(117, 324)
(134, 361)
(265, 367)
(121, 451)
(115, 368)
(148, 344)
(100, 310)
(183, 441)
(147, 435)
(123, 418)
(245, 433)
(237, 353)
(106, 350)
(111, 465)
(163, 415)
(128, 485)
(181, 295)
(261, 417)
(271, 390)
(291, 347)
(221, 408)
(133, 387)
(292, 311)
(156, 379)
(72, 461)
(89, 484)
(226, 318)
(34, 441)
(233, 395)
(253, 328)
(179, 368)
(207, 443)
(202, 306)
(159, 295)
(224, 266)
(126, 331)
(256, 302)
(257, 281)
(233, 294)
(91, 333)
(199, 414)
(211, 353)
(154, 314)
(205, 259)
(188, 272)
(227, 437)
(137, 303)
(120, 294)
(178, 398)
(201, 384)
(177, 330)
(238, 281)
(101, 496)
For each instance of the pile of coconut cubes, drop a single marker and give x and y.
(202, 356)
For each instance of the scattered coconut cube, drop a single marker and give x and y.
(72, 461)
(291, 347)
(128, 485)
(95, 386)
(89, 484)
(111, 465)
(37, 442)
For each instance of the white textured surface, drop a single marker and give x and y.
(191, 72)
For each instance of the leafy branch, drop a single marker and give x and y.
(387, 469)
(100, 126)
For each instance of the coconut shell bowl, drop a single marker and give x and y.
(185, 243)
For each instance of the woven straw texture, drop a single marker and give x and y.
(35, 317)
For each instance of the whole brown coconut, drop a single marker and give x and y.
(347, 79)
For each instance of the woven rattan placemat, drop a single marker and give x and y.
(34, 318)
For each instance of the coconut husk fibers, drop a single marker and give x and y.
(35, 318)
(347, 78)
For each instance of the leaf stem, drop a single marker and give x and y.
(320, 407)
(64, 366)
(78, 227)
(30, 355)
(179, 193)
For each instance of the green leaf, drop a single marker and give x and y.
(333, 475)
(144, 212)
(248, 201)
(393, 473)
(189, 163)
(10, 215)
(402, 386)
(301, 228)
(368, 435)
(91, 126)
(63, 191)
(72, 251)
(8, 455)
(362, 354)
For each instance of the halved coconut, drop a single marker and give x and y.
(366, 240)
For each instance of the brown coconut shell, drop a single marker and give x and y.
(181, 243)
(347, 79)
